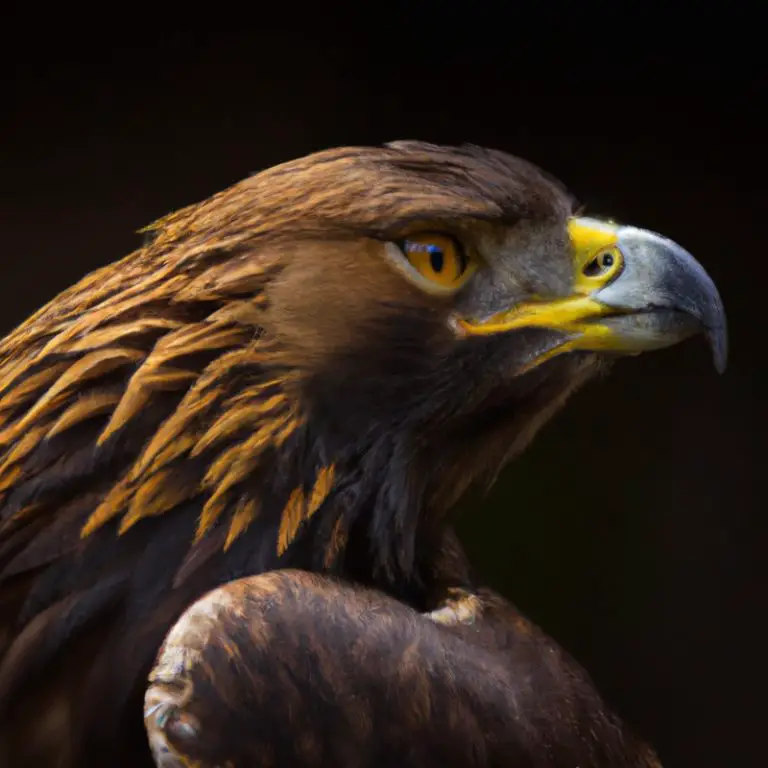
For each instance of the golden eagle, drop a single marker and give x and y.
(304, 371)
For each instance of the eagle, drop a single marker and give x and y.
(305, 371)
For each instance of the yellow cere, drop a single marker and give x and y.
(591, 235)
(596, 257)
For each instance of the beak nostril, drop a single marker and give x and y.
(600, 264)
(592, 269)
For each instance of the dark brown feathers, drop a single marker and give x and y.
(252, 388)
(290, 669)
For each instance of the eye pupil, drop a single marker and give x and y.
(436, 258)
(607, 260)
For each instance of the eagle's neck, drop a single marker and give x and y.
(271, 483)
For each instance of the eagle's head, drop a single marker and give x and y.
(364, 330)
(437, 305)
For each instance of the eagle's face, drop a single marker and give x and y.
(467, 305)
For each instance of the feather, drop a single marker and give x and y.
(87, 407)
(121, 332)
(293, 514)
(321, 489)
(199, 554)
(299, 508)
(43, 636)
(140, 391)
(337, 543)
(249, 312)
(236, 419)
(246, 278)
(21, 449)
(94, 364)
(31, 385)
(44, 545)
(244, 515)
(165, 444)
(161, 492)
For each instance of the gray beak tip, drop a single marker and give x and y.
(666, 275)
(718, 341)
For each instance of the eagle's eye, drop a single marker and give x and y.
(435, 262)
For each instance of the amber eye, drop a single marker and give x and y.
(437, 258)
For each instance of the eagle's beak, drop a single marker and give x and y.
(633, 291)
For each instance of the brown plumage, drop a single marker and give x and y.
(256, 388)
(293, 669)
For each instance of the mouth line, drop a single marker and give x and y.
(650, 310)
(609, 313)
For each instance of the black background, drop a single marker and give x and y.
(634, 529)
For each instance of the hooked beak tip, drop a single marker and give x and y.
(718, 341)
